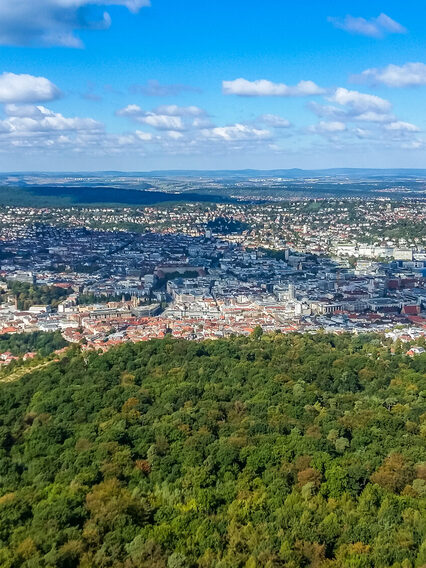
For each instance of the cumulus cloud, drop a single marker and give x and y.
(265, 88)
(166, 117)
(408, 75)
(145, 136)
(360, 102)
(351, 114)
(328, 128)
(363, 133)
(27, 120)
(201, 122)
(26, 89)
(362, 110)
(382, 127)
(374, 27)
(54, 22)
(130, 110)
(236, 132)
(275, 121)
(174, 135)
(175, 110)
(161, 121)
(401, 126)
(328, 111)
(372, 116)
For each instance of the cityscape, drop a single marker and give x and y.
(199, 271)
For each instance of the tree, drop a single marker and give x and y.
(394, 474)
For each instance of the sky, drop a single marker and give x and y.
(139, 85)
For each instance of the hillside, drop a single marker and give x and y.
(270, 451)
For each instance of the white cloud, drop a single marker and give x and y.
(161, 121)
(371, 116)
(275, 121)
(265, 88)
(401, 126)
(374, 27)
(167, 117)
(28, 119)
(174, 110)
(360, 102)
(236, 132)
(408, 75)
(328, 128)
(328, 111)
(152, 118)
(354, 107)
(201, 122)
(38, 129)
(130, 110)
(145, 136)
(54, 22)
(174, 135)
(363, 133)
(26, 89)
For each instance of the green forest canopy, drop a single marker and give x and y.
(41, 342)
(28, 295)
(272, 451)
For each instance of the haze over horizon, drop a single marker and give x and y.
(140, 85)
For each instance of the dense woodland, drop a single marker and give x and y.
(268, 451)
(28, 295)
(39, 341)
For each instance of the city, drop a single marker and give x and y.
(209, 271)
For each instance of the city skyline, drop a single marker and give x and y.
(138, 85)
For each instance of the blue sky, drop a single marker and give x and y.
(139, 85)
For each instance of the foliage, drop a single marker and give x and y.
(28, 295)
(227, 225)
(272, 451)
(39, 341)
(161, 282)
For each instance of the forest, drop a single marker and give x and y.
(28, 295)
(267, 451)
(39, 341)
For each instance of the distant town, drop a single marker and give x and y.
(103, 276)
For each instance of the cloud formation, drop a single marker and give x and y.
(26, 89)
(265, 88)
(408, 75)
(328, 128)
(275, 121)
(353, 106)
(360, 102)
(39, 129)
(54, 22)
(164, 117)
(401, 126)
(353, 111)
(346, 117)
(236, 132)
(374, 27)
(29, 118)
(161, 121)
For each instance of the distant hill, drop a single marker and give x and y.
(290, 173)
